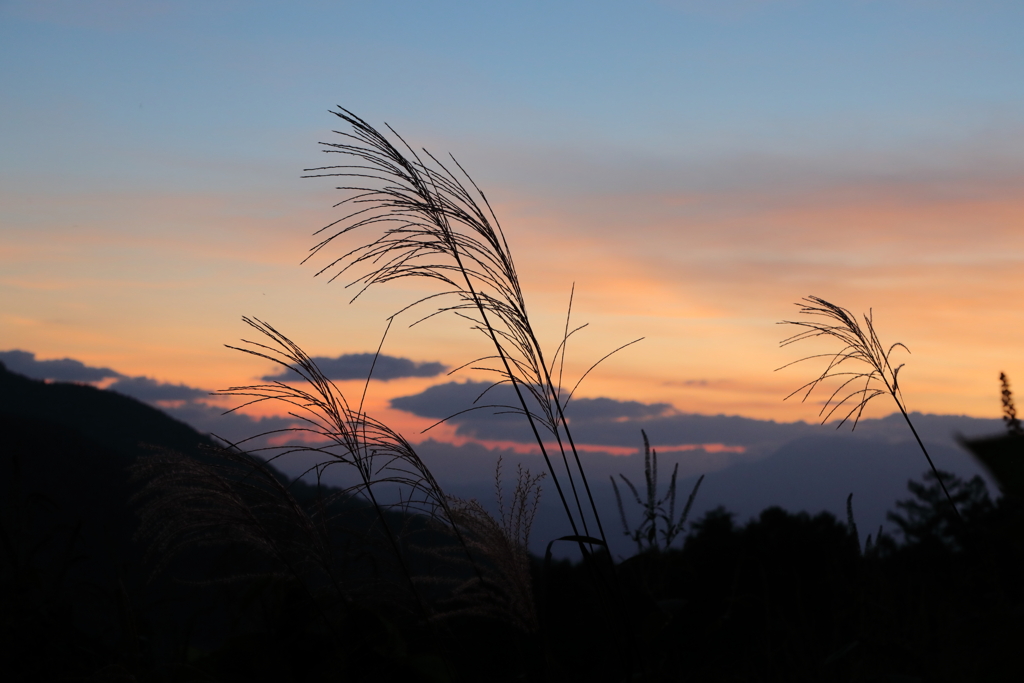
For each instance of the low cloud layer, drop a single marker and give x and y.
(147, 389)
(357, 366)
(186, 403)
(62, 370)
(442, 400)
(492, 414)
(235, 428)
(70, 370)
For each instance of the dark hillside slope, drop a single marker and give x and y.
(76, 593)
(79, 599)
(111, 420)
(64, 469)
(70, 566)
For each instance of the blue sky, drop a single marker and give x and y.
(96, 83)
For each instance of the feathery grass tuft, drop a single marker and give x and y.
(185, 503)
(503, 588)
(336, 432)
(428, 219)
(861, 347)
(346, 435)
(433, 222)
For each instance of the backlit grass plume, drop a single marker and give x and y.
(337, 433)
(427, 223)
(504, 587)
(862, 366)
(230, 499)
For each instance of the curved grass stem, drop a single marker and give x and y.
(860, 347)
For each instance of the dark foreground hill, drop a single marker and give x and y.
(80, 597)
(73, 576)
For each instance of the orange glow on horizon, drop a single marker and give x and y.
(706, 286)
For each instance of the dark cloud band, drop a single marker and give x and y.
(146, 389)
(62, 370)
(357, 366)
(70, 370)
(491, 415)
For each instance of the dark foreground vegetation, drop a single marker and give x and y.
(135, 549)
(784, 597)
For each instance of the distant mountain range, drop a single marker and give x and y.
(814, 470)
(797, 466)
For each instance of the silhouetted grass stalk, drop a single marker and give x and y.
(379, 454)
(434, 228)
(1013, 425)
(654, 507)
(861, 346)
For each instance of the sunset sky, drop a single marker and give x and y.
(694, 167)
